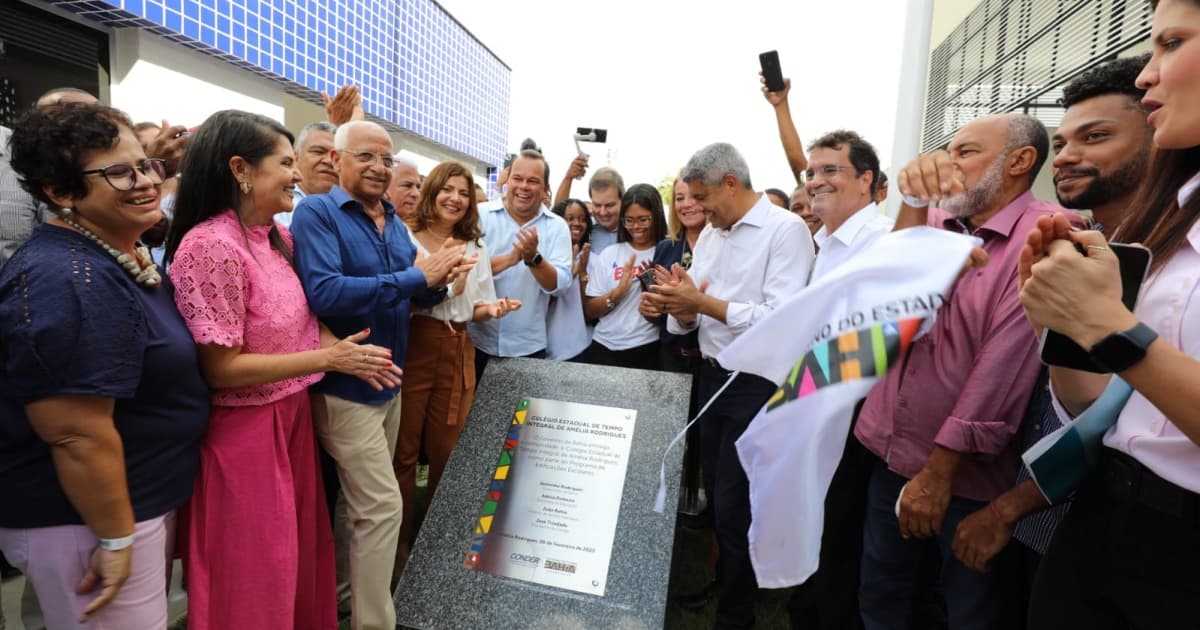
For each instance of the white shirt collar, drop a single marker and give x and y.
(850, 228)
(1186, 191)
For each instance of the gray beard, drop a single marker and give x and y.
(976, 198)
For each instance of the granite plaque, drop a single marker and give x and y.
(551, 507)
(439, 588)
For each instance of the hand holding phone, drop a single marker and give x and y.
(1059, 350)
(771, 71)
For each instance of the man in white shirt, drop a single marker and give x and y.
(841, 180)
(841, 177)
(751, 257)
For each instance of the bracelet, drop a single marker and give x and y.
(996, 513)
(116, 544)
(913, 202)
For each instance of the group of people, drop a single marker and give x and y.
(256, 395)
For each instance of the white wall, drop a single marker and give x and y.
(153, 79)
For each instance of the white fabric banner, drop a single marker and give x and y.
(826, 347)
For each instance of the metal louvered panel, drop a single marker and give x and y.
(28, 27)
(1010, 55)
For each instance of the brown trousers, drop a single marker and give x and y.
(439, 387)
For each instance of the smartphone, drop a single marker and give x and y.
(508, 159)
(770, 69)
(591, 134)
(646, 278)
(1058, 349)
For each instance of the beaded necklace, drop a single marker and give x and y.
(141, 266)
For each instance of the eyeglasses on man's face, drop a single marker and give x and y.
(637, 221)
(123, 176)
(367, 157)
(826, 172)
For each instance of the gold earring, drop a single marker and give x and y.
(246, 187)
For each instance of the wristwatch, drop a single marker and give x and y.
(535, 261)
(1122, 350)
(609, 303)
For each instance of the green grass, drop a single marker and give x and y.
(691, 570)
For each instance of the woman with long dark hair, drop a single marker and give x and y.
(624, 337)
(438, 392)
(1127, 552)
(259, 550)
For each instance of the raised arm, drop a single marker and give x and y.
(788, 136)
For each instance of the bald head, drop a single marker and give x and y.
(66, 95)
(405, 188)
(999, 157)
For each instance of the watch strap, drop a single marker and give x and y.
(1122, 350)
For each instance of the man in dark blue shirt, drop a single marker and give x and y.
(357, 263)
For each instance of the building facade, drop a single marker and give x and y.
(441, 92)
(994, 56)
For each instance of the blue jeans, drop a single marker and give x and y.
(891, 566)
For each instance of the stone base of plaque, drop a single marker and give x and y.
(438, 590)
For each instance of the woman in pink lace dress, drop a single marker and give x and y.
(257, 541)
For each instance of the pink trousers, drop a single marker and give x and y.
(55, 559)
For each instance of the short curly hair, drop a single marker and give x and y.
(1118, 76)
(50, 143)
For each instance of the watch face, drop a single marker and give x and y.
(1120, 351)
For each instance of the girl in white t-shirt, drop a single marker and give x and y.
(623, 337)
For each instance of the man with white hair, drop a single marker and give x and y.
(405, 188)
(359, 271)
(752, 256)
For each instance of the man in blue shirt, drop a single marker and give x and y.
(357, 263)
(531, 261)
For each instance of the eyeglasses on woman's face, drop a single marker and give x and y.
(123, 176)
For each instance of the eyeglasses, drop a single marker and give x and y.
(121, 176)
(827, 171)
(638, 221)
(366, 157)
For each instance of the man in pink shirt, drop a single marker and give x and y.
(942, 421)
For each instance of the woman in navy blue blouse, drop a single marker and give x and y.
(102, 405)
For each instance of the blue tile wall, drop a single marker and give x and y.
(415, 66)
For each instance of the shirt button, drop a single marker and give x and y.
(912, 371)
(902, 403)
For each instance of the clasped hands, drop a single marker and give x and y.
(446, 265)
(674, 293)
(366, 361)
(1070, 282)
(525, 245)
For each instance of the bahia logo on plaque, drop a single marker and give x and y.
(550, 511)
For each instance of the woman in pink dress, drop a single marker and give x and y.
(257, 542)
